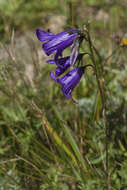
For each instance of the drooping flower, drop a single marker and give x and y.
(62, 65)
(69, 80)
(56, 43)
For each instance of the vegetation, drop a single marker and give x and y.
(48, 142)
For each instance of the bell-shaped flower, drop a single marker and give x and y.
(56, 43)
(62, 65)
(69, 80)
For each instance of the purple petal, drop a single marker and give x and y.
(66, 32)
(60, 42)
(51, 61)
(58, 54)
(44, 36)
(75, 52)
(62, 62)
(70, 80)
(61, 70)
(66, 92)
(68, 77)
(62, 65)
(53, 77)
(58, 71)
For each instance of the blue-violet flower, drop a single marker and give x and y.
(69, 80)
(62, 65)
(56, 43)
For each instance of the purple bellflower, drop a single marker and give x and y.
(56, 43)
(69, 80)
(62, 65)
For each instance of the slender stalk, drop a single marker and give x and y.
(72, 13)
(103, 107)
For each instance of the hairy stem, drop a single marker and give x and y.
(104, 109)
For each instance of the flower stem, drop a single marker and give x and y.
(103, 107)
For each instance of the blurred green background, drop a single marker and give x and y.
(48, 142)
